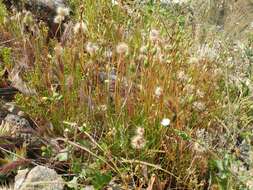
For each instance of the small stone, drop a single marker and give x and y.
(16, 120)
(20, 178)
(39, 178)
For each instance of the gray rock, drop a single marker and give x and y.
(39, 178)
(17, 126)
(44, 10)
(231, 17)
(17, 121)
(20, 178)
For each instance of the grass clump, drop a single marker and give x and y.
(128, 99)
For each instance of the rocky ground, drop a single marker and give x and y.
(209, 23)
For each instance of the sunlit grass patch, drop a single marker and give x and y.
(127, 97)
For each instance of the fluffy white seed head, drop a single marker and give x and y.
(59, 19)
(154, 35)
(158, 92)
(138, 142)
(199, 106)
(91, 48)
(140, 131)
(143, 49)
(58, 50)
(62, 11)
(198, 148)
(165, 122)
(80, 27)
(122, 48)
(182, 76)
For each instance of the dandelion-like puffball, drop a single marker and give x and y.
(140, 131)
(182, 76)
(138, 142)
(189, 88)
(122, 48)
(165, 122)
(91, 48)
(59, 19)
(158, 92)
(62, 11)
(199, 106)
(200, 93)
(154, 35)
(198, 147)
(143, 49)
(58, 50)
(80, 27)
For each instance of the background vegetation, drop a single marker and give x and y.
(134, 98)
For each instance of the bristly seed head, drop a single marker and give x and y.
(61, 12)
(140, 131)
(198, 148)
(91, 48)
(158, 92)
(58, 50)
(80, 27)
(138, 142)
(59, 19)
(182, 76)
(122, 48)
(154, 35)
(199, 106)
